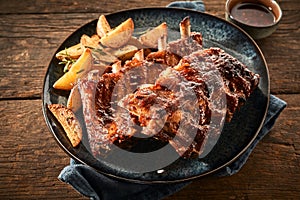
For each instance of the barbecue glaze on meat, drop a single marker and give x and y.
(180, 95)
(178, 107)
(239, 82)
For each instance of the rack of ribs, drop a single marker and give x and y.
(180, 94)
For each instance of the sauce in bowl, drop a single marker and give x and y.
(253, 14)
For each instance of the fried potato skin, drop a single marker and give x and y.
(103, 26)
(68, 121)
(119, 36)
(72, 52)
(74, 100)
(78, 69)
(150, 38)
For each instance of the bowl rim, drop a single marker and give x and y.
(277, 19)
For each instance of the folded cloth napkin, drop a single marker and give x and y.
(194, 5)
(96, 186)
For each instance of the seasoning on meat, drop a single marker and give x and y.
(180, 94)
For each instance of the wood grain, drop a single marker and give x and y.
(28, 43)
(30, 158)
(69, 6)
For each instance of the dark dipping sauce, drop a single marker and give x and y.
(253, 14)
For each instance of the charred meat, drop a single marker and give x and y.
(180, 94)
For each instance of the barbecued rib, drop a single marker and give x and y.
(177, 106)
(216, 78)
(239, 82)
(98, 135)
(106, 122)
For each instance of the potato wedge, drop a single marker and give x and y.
(69, 122)
(103, 26)
(104, 55)
(95, 37)
(150, 38)
(74, 100)
(78, 69)
(119, 36)
(92, 42)
(72, 52)
(124, 53)
(135, 42)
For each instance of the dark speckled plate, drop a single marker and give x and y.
(236, 135)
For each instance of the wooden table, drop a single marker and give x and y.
(30, 159)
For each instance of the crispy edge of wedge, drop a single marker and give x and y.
(74, 100)
(90, 42)
(68, 121)
(150, 38)
(119, 36)
(72, 52)
(103, 26)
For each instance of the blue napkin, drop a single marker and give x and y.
(194, 5)
(96, 186)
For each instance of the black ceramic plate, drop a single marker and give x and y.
(236, 135)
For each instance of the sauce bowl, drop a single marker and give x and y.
(259, 18)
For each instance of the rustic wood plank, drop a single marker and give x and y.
(31, 160)
(69, 6)
(29, 41)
